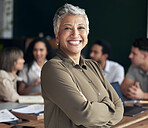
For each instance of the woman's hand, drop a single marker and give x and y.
(37, 82)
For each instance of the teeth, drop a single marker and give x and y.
(74, 42)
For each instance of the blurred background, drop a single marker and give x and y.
(119, 22)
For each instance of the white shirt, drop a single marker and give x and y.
(114, 72)
(31, 76)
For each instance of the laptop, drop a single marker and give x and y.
(128, 110)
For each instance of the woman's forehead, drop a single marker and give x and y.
(70, 19)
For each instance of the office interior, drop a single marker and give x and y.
(119, 22)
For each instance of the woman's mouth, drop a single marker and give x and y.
(74, 42)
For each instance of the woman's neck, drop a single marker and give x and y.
(14, 72)
(75, 58)
(41, 63)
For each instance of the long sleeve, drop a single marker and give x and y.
(59, 87)
(8, 91)
(118, 105)
(113, 96)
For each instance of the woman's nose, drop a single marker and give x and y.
(75, 32)
(38, 52)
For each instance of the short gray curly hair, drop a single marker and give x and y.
(68, 9)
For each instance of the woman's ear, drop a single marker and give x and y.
(14, 65)
(56, 37)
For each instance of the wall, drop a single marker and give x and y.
(117, 21)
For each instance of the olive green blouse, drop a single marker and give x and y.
(78, 96)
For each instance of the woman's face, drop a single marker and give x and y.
(19, 64)
(40, 52)
(72, 35)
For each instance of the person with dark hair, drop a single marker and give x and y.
(135, 84)
(11, 61)
(38, 52)
(76, 93)
(113, 71)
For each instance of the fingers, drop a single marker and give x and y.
(131, 95)
(137, 84)
(132, 89)
(132, 92)
(38, 81)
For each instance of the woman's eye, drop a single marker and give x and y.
(67, 28)
(41, 50)
(81, 27)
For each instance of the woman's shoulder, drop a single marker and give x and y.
(4, 74)
(91, 62)
(94, 65)
(52, 62)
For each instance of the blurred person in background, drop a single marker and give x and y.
(113, 71)
(11, 61)
(135, 84)
(38, 52)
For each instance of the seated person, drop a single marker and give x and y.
(11, 61)
(37, 54)
(135, 84)
(113, 71)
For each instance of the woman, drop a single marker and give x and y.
(11, 61)
(38, 53)
(75, 92)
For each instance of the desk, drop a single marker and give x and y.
(35, 123)
(141, 124)
(139, 121)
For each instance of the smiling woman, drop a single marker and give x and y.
(37, 54)
(76, 93)
(72, 36)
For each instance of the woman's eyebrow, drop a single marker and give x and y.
(67, 24)
(82, 24)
